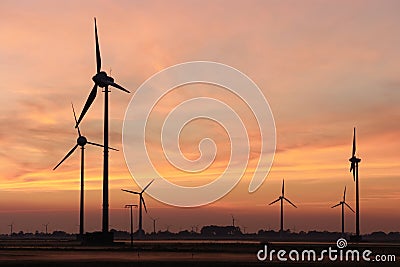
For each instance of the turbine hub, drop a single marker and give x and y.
(354, 159)
(102, 79)
(81, 141)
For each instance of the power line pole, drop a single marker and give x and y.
(130, 207)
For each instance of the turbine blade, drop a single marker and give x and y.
(118, 86)
(344, 194)
(132, 192)
(98, 57)
(283, 187)
(354, 142)
(89, 102)
(95, 144)
(147, 186)
(66, 156)
(349, 207)
(274, 201)
(290, 202)
(76, 122)
(144, 203)
(354, 174)
(336, 205)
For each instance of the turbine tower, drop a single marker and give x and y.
(354, 168)
(141, 203)
(102, 80)
(81, 141)
(11, 228)
(46, 225)
(281, 198)
(343, 203)
(154, 223)
(233, 220)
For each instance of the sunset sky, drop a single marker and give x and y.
(323, 66)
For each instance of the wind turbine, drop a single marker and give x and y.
(81, 141)
(11, 228)
(101, 79)
(233, 220)
(342, 203)
(281, 198)
(46, 225)
(154, 223)
(354, 168)
(141, 203)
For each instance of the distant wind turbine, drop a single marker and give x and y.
(354, 168)
(141, 202)
(46, 225)
(81, 141)
(233, 220)
(281, 198)
(11, 228)
(154, 223)
(343, 203)
(102, 80)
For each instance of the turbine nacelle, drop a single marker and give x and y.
(102, 80)
(81, 141)
(354, 159)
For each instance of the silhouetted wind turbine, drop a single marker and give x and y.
(167, 226)
(154, 223)
(281, 198)
(141, 202)
(233, 220)
(81, 141)
(354, 168)
(46, 225)
(101, 79)
(11, 228)
(343, 203)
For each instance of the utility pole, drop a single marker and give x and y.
(130, 207)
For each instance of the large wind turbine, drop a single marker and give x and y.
(141, 202)
(354, 168)
(101, 79)
(281, 198)
(342, 203)
(81, 141)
